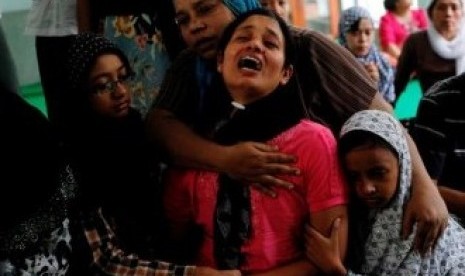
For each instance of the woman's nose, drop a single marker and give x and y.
(255, 45)
(120, 90)
(196, 25)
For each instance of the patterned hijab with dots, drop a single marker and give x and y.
(83, 53)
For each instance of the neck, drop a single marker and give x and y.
(448, 34)
(402, 12)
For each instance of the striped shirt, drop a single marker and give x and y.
(439, 132)
(334, 85)
(109, 258)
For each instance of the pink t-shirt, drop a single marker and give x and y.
(392, 31)
(277, 223)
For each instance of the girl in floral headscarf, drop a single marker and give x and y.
(376, 159)
(356, 32)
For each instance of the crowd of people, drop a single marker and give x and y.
(229, 142)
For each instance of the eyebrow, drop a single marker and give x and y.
(194, 5)
(268, 30)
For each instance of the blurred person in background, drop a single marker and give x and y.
(395, 26)
(436, 53)
(356, 33)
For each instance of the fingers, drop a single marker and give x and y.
(278, 169)
(427, 236)
(272, 154)
(267, 190)
(335, 229)
(421, 242)
(407, 224)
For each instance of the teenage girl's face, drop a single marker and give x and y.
(201, 23)
(280, 7)
(374, 172)
(253, 61)
(447, 15)
(109, 87)
(359, 42)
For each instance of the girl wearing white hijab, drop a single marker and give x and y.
(377, 162)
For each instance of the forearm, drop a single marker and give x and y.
(297, 268)
(110, 258)
(379, 103)
(83, 15)
(420, 177)
(393, 50)
(184, 147)
(455, 200)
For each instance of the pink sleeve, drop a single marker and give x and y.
(177, 198)
(387, 31)
(323, 176)
(421, 19)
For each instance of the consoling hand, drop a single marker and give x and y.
(259, 164)
(324, 251)
(428, 210)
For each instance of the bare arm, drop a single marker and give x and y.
(426, 207)
(254, 162)
(321, 223)
(83, 15)
(455, 200)
(393, 50)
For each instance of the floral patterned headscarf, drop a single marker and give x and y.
(386, 253)
(386, 73)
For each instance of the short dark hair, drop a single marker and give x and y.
(289, 52)
(433, 4)
(390, 5)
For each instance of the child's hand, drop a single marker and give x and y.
(324, 251)
(373, 71)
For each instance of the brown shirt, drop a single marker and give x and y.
(419, 57)
(333, 83)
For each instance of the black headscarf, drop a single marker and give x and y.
(31, 176)
(260, 121)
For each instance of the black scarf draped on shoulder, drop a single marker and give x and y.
(260, 121)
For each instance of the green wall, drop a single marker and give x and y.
(22, 46)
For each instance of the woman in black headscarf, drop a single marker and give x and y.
(36, 192)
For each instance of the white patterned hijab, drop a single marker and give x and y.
(386, 253)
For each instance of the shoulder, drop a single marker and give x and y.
(418, 14)
(308, 35)
(183, 67)
(310, 134)
(418, 37)
(447, 89)
(184, 61)
(387, 18)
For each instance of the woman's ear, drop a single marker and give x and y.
(287, 74)
(219, 62)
